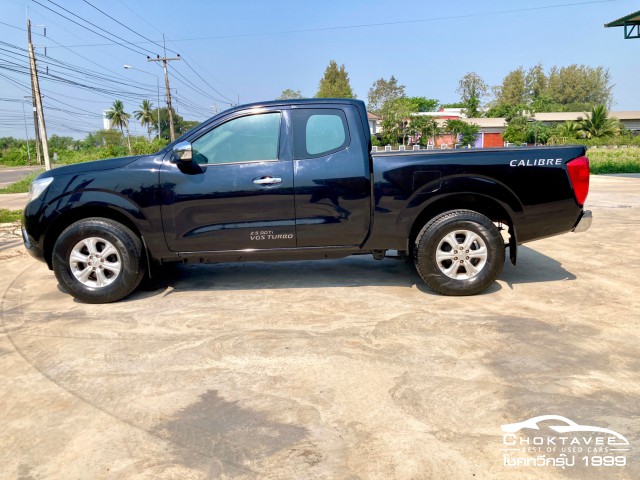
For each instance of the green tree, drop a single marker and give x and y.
(580, 85)
(465, 132)
(598, 124)
(188, 125)
(517, 130)
(58, 143)
(544, 103)
(453, 105)
(538, 132)
(427, 127)
(381, 93)
(102, 138)
(568, 130)
(472, 89)
(335, 83)
(290, 94)
(536, 82)
(180, 125)
(507, 111)
(145, 116)
(513, 90)
(9, 142)
(571, 88)
(120, 118)
(423, 104)
(395, 124)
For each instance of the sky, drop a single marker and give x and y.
(251, 50)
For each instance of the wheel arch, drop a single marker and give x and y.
(487, 206)
(75, 214)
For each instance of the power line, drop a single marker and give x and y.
(188, 83)
(379, 24)
(183, 55)
(86, 74)
(230, 102)
(122, 24)
(117, 74)
(97, 83)
(161, 46)
(140, 52)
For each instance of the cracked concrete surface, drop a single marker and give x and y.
(333, 369)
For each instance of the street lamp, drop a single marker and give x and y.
(26, 131)
(129, 67)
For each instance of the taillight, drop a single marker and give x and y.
(579, 175)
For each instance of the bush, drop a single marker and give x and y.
(625, 160)
(143, 147)
(13, 158)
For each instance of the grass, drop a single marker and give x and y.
(623, 160)
(8, 216)
(21, 186)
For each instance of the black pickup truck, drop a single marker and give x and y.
(296, 180)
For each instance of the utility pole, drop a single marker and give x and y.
(164, 61)
(36, 93)
(35, 125)
(35, 112)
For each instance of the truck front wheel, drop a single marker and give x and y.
(460, 252)
(98, 260)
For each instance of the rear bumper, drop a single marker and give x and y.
(584, 222)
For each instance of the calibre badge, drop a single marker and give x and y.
(537, 162)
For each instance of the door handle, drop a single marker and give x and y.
(267, 180)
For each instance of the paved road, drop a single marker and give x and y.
(9, 175)
(334, 369)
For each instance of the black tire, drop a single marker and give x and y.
(451, 271)
(107, 264)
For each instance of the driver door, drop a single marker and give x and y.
(236, 193)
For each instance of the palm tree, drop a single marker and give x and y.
(568, 129)
(598, 124)
(145, 116)
(120, 118)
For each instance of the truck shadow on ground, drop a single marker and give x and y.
(356, 271)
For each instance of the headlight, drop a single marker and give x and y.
(38, 186)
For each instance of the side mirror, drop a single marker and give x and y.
(183, 152)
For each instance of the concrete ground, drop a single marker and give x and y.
(13, 201)
(334, 369)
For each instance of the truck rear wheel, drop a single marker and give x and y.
(98, 260)
(461, 252)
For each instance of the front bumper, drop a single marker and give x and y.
(31, 246)
(584, 222)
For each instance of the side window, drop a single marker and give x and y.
(244, 139)
(318, 132)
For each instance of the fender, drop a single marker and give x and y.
(482, 189)
(94, 202)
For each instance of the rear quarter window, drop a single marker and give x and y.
(319, 132)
